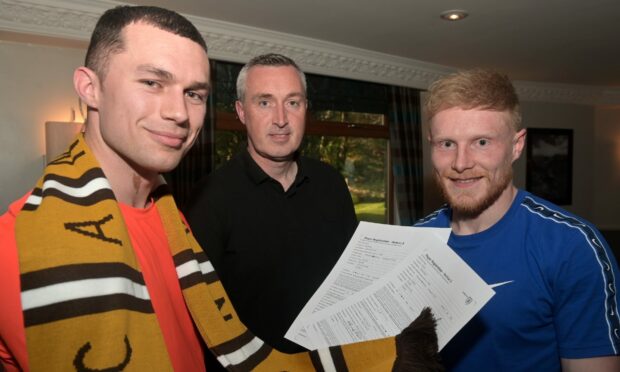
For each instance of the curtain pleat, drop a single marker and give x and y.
(196, 163)
(406, 151)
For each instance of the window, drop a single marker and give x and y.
(363, 162)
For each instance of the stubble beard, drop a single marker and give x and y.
(269, 156)
(472, 207)
(277, 158)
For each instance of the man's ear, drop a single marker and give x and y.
(519, 143)
(429, 131)
(240, 112)
(87, 85)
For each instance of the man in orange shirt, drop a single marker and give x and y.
(86, 300)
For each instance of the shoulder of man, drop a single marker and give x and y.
(214, 190)
(438, 218)
(312, 165)
(14, 208)
(219, 178)
(550, 214)
(12, 336)
(555, 231)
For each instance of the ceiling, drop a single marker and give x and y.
(552, 41)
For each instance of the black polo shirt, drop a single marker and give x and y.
(272, 249)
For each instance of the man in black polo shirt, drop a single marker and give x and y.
(272, 222)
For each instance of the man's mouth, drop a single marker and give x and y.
(174, 140)
(279, 136)
(464, 182)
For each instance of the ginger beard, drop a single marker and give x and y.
(471, 203)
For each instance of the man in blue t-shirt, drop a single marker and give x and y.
(554, 275)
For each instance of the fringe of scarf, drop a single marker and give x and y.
(86, 306)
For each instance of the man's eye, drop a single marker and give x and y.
(483, 142)
(150, 83)
(446, 144)
(293, 103)
(263, 103)
(196, 97)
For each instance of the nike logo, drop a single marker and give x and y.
(500, 284)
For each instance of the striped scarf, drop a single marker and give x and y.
(86, 306)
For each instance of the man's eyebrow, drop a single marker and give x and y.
(269, 95)
(262, 96)
(296, 94)
(199, 85)
(166, 75)
(162, 74)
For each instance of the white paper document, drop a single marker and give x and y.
(384, 278)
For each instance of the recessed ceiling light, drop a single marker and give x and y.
(453, 15)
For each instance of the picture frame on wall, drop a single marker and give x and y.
(549, 168)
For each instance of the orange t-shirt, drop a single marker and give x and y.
(151, 248)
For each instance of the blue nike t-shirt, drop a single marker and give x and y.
(554, 277)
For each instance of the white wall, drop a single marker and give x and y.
(606, 168)
(579, 118)
(35, 87)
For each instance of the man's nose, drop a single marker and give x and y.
(463, 159)
(174, 107)
(280, 116)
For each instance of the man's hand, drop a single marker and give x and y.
(416, 346)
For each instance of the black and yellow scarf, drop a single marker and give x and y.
(85, 303)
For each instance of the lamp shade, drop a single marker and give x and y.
(58, 136)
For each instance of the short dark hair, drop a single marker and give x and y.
(474, 89)
(270, 59)
(107, 40)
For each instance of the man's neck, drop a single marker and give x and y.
(283, 171)
(129, 186)
(467, 225)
